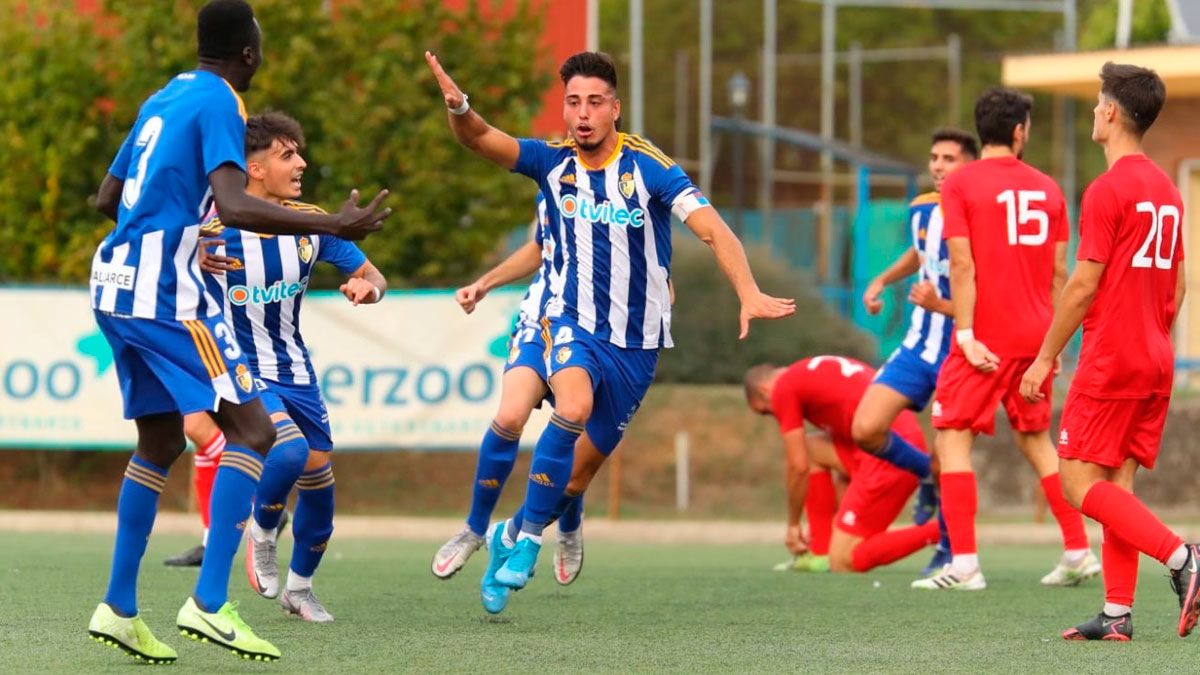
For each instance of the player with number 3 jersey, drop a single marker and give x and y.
(1006, 230)
(1126, 291)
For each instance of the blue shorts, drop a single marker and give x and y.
(304, 404)
(176, 366)
(528, 348)
(620, 378)
(910, 375)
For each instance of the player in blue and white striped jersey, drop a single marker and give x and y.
(610, 197)
(909, 378)
(172, 351)
(263, 283)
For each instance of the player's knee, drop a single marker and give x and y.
(161, 452)
(512, 421)
(259, 438)
(868, 434)
(316, 459)
(841, 558)
(1075, 491)
(574, 410)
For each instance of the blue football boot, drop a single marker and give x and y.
(519, 567)
(494, 595)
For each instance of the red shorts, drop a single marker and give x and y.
(877, 494)
(967, 397)
(1109, 431)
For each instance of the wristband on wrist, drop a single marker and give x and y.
(463, 108)
(963, 336)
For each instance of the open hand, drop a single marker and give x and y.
(469, 296)
(211, 262)
(450, 91)
(356, 223)
(762, 306)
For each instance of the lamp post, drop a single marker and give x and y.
(738, 88)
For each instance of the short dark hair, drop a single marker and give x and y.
(224, 28)
(998, 112)
(265, 128)
(590, 64)
(965, 140)
(1139, 92)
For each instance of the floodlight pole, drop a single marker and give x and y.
(637, 97)
(706, 133)
(766, 180)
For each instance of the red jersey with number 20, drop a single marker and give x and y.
(1014, 217)
(1130, 221)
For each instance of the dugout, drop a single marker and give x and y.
(1173, 142)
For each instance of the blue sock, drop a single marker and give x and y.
(285, 463)
(313, 525)
(904, 455)
(944, 541)
(569, 512)
(136, 507)
(497, 454)
(549, 473)
(232, 491)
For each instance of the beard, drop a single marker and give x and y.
(588, 146)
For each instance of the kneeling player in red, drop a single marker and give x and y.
(825, 390)
(1006, 231)
(1125, 290)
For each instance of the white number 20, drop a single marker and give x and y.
(1019, 211)
(147, 139)
(1158, 221)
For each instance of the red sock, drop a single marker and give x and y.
(820, 505)
(1070, 521)
(960, 501)
(888, 547)
(1130, 520)
(207, 458)
(1120, 560)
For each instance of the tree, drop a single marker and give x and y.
(356, 80)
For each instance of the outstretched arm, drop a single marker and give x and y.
(523, 262)
(469, 127)
(708, 225)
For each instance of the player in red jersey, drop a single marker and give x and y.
(826, 390)
(1126, 288)
(1006, 230)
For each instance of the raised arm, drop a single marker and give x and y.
(246, 212)
(469, 127)
(523, 262)
(708, 225)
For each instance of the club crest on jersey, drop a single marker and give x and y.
(304, 249)
(564, 355)
(243, 377)
(626, 185)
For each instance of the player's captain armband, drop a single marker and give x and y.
(687, 203)
(117, 276)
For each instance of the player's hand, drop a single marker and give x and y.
(450, 90)
(211, 262)
(469, 296)
(980, 356)
(1034, 377)
(923, 294)
(871, 301)
(359, 291)
(762, 306)
(795, 540)
(354, 223)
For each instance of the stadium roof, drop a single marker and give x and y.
(1077, 73)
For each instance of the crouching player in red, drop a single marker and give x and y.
(1006, 231)
(1126, 289)
(825, 390)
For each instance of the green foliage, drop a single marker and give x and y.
(357, 81)
(705, 321)
(1151, 23)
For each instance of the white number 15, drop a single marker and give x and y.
(1019, 211)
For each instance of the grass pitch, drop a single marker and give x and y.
(639, 608)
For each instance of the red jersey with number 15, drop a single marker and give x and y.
(1130, 221)
(1014, 217)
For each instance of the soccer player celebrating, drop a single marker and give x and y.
(1126, 290)
(262, 286)
(173, 351)
(908, 379)
(825, 391)
(522, 389)
(1006, 230)
(610, 197)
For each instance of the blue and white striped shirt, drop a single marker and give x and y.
(262, 299)
(533, 305)
(929, 332)
(613, 226)
(146, 267)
